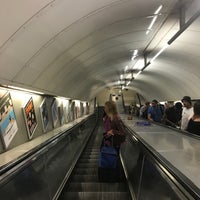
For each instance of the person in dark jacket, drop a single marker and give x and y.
(117, 129)
(172, 115)
(194, 122)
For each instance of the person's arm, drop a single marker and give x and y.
(118, 128)
(149, 114)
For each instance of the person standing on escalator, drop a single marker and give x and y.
(117, 128)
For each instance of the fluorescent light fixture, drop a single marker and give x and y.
(137, 74)
(139, 64)
(24, 90)
(165, 46)
(121, 76)
(159, 53)
(135, 53)
(128, 83)
(126, 68)
(158, 10)
(147, 32)
(152, 22)
(154, 19)
(63, 98)
(129, 76)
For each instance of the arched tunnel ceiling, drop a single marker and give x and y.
(77, 48)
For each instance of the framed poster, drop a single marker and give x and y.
(72, 110)
(30, 117)
(54, 111)
(8, 124)
(44, 114)
(67, 111)
(61, 114)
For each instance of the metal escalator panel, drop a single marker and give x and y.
(84, 183)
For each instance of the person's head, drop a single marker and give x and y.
(110, 108)
(196, 108)
(147, 103)
(178, 106)
(186, 100)
(154, 103)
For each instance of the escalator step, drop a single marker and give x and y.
(84, 184)
(93, 148)
(84, 178)
(100, 187)
(91, 152)
(90, 156)
(79, 171)
(87, 165)
(83, 160)
(96, 196)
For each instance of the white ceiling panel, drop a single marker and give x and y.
(76, 48)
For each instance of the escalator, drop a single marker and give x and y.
(73, 156)
(84, 183)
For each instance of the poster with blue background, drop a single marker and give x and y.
(8, 124)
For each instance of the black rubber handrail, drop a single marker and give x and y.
(40, 148)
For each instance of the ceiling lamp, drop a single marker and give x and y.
(155, 16)
(23, 89)
(135, 54)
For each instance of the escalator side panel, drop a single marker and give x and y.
(40, 177)
(147, 177)
(30, 183)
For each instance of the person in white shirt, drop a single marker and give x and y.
(187, 112)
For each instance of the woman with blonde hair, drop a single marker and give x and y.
(109, 164)
(117, 129)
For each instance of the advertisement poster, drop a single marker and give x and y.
(67, 111)
(81, 109)
(72, 111)
(61, 115)
(30, 117)
(54, 110)
(44, 114)
(8, 124)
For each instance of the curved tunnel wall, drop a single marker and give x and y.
(63, 49)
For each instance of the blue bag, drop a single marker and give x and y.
(108, 157)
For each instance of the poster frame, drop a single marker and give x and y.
(61, 114)
(54, 112)
(8, 121)
(44, 114)
(27, 109)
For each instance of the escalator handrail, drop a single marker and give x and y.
(73, 164)
(27, 158)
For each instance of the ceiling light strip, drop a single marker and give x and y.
(182, 29)
(23, 89)
(165, 46)
(154, 19)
